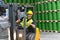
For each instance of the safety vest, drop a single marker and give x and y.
(27, 23)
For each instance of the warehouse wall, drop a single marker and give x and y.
(47, 13)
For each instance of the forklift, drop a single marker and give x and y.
(16, 32)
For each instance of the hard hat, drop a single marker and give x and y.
(30, 12)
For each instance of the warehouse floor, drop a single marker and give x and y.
(50, 36)
(47, 36)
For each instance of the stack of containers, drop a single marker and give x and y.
(38, 16)
(36, 9)
(54, 26)
(46, 15)
(42, 15)
(18, 1)
(38, 21)
(49, 16)
(58, 15)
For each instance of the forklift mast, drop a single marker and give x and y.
(12, 18)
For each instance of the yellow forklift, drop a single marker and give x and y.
(16, 32)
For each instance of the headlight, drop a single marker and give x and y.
(14, 35)
(20, 35)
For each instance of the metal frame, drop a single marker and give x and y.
(13, 21)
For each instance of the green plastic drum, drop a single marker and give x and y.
(42, 7)
(58, 5)
(49, 16)
(54, 15)
(43, 25)
(54, 26)
(50, 26)
(53, 5)
(58, 26)
(46, 26)
(45, 6)
(38, 16)
(58, 15)
(39, 25)
(46, 16)
(43, 18)
(36, 10)
(54, 23)
(39, 9)
(49, 5)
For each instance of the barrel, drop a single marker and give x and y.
(46, 15)
(49, 5)
(50, 26)
(58, 5)
(43, 26)
(49, 16)
(53, 5)
(36, 11)
(45, 6)
(43, 18)
(58, 26)
(42, 7)
(54, 16)
(58, 23)
(54, 26)
(58, 15)
(39, 25)
(54, 23)
(46, 26)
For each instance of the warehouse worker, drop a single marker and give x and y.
(29, 22)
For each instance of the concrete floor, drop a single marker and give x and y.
(47, 36)
(4, 38)
(50, 36)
